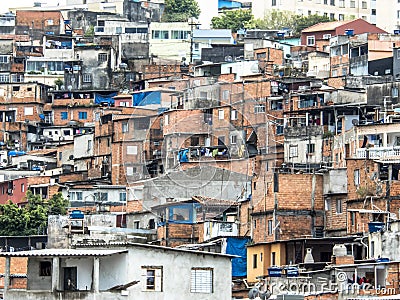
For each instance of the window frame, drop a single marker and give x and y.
(197, 287)
(310, 40)
(157, 285)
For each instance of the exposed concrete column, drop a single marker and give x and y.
(7, 275)
(55, 274)
(96, 274)
(384, 140)
(321, 117)
(307, 118)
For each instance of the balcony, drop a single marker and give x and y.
(213, 229)
(382, 153)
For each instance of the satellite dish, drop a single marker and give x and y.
(355, 122)
(228, 58)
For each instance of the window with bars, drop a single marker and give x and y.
(102, 57)
(201, 280)
(87, 78)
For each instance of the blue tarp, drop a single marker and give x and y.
(237, 246)
(98, 99)
(16, 153)
(183, 155)
(146, 98)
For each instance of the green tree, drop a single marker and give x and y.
(180, 10)
(302, 22)
(277, 19)
(32, 218)
(234, 20)
(89, 32)
(58, 205)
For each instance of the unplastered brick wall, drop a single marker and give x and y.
(336, 219)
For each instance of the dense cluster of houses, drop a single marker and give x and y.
(259, 161)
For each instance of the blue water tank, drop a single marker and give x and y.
(275, 272)
(76, 214)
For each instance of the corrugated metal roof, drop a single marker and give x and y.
(62, 252)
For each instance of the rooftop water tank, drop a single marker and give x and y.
(339, 250)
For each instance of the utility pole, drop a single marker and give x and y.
(192, 23)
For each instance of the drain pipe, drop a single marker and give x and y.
(364, 244)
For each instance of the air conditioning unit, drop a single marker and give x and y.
(326, 36)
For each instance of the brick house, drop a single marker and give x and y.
(318, 35)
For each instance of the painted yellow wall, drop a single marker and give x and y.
(264, 251)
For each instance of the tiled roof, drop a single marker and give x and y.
(326, 26)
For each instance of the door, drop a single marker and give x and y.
(70, 279)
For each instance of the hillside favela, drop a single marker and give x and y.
(200, 149)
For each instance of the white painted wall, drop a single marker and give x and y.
(84, 271)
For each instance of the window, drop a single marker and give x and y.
(22, 188)
(160, 34)
(341, 17)
(152, 279)
(273, 258)
(89, 145)
(254, 261)
(75, 196)
(4, 78)
(3, 59)
(357, 177)
(87, 78)
(234, 115)
(59, 155)
(125, 127)
(101, 196)
(233, 139)
(325, 1)
(364, 5)
(64, 115)
(353, 218)
(130, 171)
(225, 95)
(50, 22)
(332, 16)
(179, 34)
(122, 196)
(269, 227)
(259, 108)
(373, 12)
(311, 40)
(352, 4)
(136, 224)
(201, 280)
(339, 206)
(45, 268)
(102, 57)
(273, 3)
(131, 150)
(310, 148)
(333, 2)
(341, 3)
(28, 111)
(82, 115)
(293, 151)
(220, 114)
(18, 78)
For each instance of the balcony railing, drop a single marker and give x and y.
(379, 153)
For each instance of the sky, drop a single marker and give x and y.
(6, 4)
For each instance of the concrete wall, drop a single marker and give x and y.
(81, 146)
(335, 181)
(206, 181)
